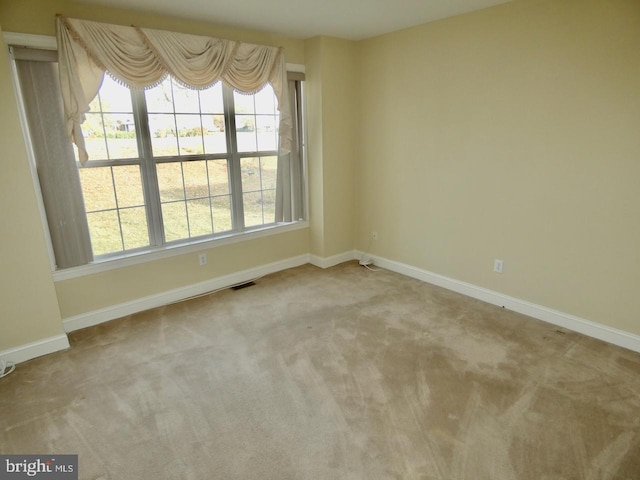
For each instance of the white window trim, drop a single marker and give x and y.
(168, 251)
(44, 42)
(156, 253)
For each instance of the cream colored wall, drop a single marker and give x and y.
(114, 287)
(28, 305)
(511, 133)
(86, 294)
(315, 135)
(339, 124)
(331, 85)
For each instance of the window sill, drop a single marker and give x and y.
(126, 260)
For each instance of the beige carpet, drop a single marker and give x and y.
(330, 374)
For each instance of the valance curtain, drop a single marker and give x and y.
(141, 58)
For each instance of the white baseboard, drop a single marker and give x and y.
(35, 349)
(571, 322)
(539, 312)
(128, 308)
(327, 262)
(96, 317)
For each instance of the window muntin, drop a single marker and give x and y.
(256, 120)
(199, 177)
(109, 128)
(195, 198)
(259, 189)
(114, 203)
(183, 121)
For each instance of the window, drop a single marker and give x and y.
(173, 165)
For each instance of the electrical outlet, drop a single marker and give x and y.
(374, 236)
(202, 259)
(498, 265)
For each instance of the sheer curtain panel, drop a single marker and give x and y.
(55, 162)
(289, 190)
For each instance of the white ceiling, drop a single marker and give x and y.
(350, 19)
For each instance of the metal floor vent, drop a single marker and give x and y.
(243, 285)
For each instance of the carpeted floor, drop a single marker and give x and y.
(341, 373)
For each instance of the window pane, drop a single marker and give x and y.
(189, 134)
(134, 227)
(269, 171)
(163, 135)
(200, 217)
(221, 213)
(108, 213)
(109, 129)
(160, 99)
(266, 127)
(218, 177)
(250, 168)
(104, 229)
(243, 103)
(185, 100)
(128, 185)
(174, 216)
(94, 137)
(258, 187)
(211, 99)
(196, 181)
(265, 100)
(256, 121)
(269, 206)
(97, 188)
(207, 189)
(170, 181)
(121, 135)
(213, 129)
(245, 133)
(252, 209)
(115, 97)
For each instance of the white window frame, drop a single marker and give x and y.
(151, 254)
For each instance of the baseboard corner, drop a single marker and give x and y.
(36, 349)
(327, 262)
